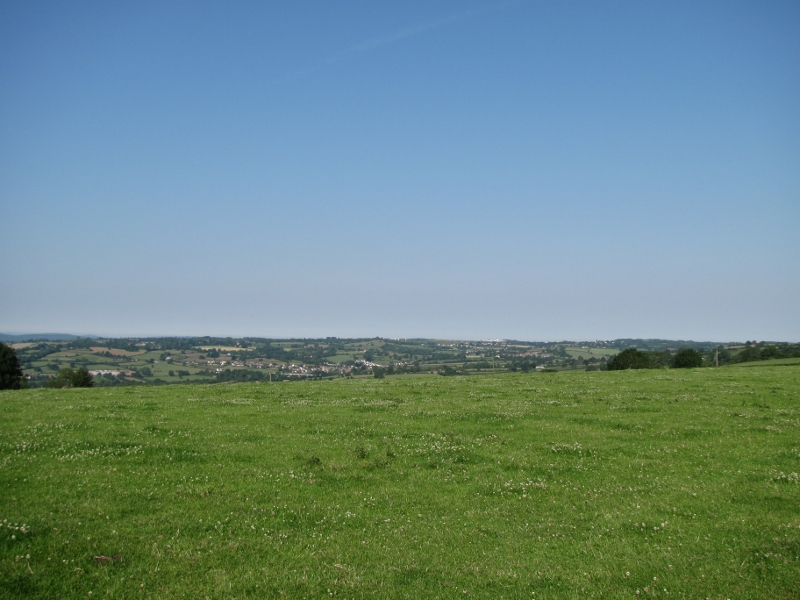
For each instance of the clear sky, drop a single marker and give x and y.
(526, 170)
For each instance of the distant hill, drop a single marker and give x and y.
(32, 337)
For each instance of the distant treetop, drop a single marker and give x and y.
(687, 358)
(630, 359)
(11, 377)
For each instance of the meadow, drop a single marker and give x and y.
(627, 484)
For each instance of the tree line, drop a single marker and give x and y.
(687, 358)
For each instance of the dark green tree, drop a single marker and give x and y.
(719, 355)
(660, 360)
(687, 358)
(630, 359)
(11, 376)
(82, 378)
(69, 378)
(63, 379)
(768, 352)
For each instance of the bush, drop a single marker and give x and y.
(72, 378)
(660, 360)
(11, 377)
(687, 359)
(630, 359)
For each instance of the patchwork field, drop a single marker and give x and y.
(658, 483)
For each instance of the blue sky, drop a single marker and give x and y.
(525, 170)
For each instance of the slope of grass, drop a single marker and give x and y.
(541, 485)
(774, 362)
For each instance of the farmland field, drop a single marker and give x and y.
(623, 484)
(590, 352)
(772, 362)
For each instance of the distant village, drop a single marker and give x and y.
(174, 360)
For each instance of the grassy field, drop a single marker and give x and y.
(575, 352)
(773, 362)
(542, 485)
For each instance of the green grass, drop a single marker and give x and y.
(340, 358)
(541, 485)
(771, 362)
(575, 352)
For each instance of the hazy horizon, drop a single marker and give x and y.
(547, 341)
